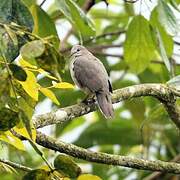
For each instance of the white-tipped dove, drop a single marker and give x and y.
(90, 75)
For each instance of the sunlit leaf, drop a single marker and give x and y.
(63, 85)
(32, 49)
(48, 93)
(76, 16)
(12, 140)
(88, 177)
(23, 131)
(138, 48)
(167, 18)
(166, 38)
(30, 85)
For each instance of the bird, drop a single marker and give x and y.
(90, 75)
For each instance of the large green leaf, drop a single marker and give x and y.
(100, 133)
(167, 39)
(43, 24)
(167, 18)
(138, 48)
(76, 16)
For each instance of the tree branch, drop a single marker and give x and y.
(165, 94)
(99, 157)
(15, 165)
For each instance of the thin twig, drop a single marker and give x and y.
(42, 3)
(15, 165)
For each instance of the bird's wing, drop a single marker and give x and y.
(91, 74)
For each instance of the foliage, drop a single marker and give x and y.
(136, 43)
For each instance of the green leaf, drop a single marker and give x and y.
(76, 16)
(37, 174)
(166, 38)
(62, 85)
(32, 49)
(167, 18)
(29, 3)
(65, 165)
(175, 81)
(100, 133)
(133, 105)
(9, 138)
(18, 72)
(17, 12)
(43, 24)
(8, 119)
(48, 93)
(163, 51)
(138, 48)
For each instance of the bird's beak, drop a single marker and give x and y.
(72, 54)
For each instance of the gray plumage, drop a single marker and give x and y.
(89, 74)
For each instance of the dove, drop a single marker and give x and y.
(90, 75)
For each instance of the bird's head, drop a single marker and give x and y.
(77, 50)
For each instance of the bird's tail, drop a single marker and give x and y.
(105, 104)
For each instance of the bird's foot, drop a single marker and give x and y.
(89, 100)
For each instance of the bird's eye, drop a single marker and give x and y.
(78, 49)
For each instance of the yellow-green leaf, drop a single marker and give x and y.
(23, 132)
(24, 63)
(42, 71)
(9, 138)
(88, 177)
(48, 93)
(63, 85)
(30, 85)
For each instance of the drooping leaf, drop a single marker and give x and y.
(63, 85)
(43, 24)
(23, 132)
(18, 72)
(30, 85)
(32, 49)
(138, 48)
(9, 138)
(76, 16)
(163, 51)
(167, 18)
(48, 93)
(8, 119)
(67, 166)
(166, 38)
